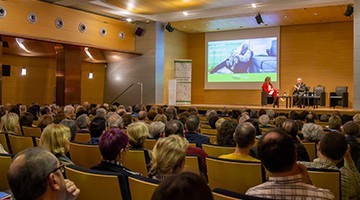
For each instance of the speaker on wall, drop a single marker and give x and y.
(259, 19)
(169, 27)
(139, 31)
(6, 70)
(349, 10)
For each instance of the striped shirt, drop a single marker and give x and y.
(289, 187)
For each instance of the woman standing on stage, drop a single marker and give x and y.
(269, 89)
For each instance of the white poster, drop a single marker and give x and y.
(183, 81)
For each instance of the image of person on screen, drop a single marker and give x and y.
(299, 90)
(269, 89)
(238, 62)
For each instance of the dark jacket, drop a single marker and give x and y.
(194, 137)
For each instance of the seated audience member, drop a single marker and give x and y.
(224, 112)
(225, 136)
(44, 121)
(161, 117)
(127, 119)
(80, 110)
(303, 115)
(209, 114)
(156, 130)
(137, 133)
(235, 115)
(115, 121)
(245, 138)
(101, 112)
(254, 114)
(255, 123)
(97, 127)
(43, 174)
(212, 121)
(22, 109)
(56, 138)
(175, 127)
(218, 123)
(26, 119)
(83, 123)
(270, 113)
(34, 109)
(142, 116)
(244, 116)
(312, 132)
(290, 127)
(356, 119)
(331, 150)
(334, 124)
(10, 124)
(287, 179)
(192, 126)
(351, 129)
(168, 157)
(324, 118)
(264, 121)
(183, 116)
(172, 111)
(345, 118)
(262, 112)
(45, 110)
(72, 126)
(279, 120)
(69, 112)
(185, 185)
(151, 115)
(294, 115)
(193, 110)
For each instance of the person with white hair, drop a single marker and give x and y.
(264, 121)
(69, 112)
(115, 121)
(312, 132)
(299, 90)
(156, 130)
(101, 112)
(83, 122)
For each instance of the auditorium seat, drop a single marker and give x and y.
(222, 194)
(193, 164)
(142, 188)
(237, 176)
(31, 131)
(267, 99)
(19, 143)
(212, 138)
(216, 151)
(149, 143)
(208, 131)
(83, 138)
(136, 160)
(97, 185)
(4, 141)
(311, 149)
(85, 155)
(5, 160)
(340, 97)
(328, 179)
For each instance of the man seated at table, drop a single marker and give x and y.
(299, 90)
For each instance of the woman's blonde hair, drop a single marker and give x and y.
(10, 123)
(56, 138)
(168, 155)
(137, 133)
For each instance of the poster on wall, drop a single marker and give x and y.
(183, 81)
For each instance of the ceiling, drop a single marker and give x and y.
(214, 15)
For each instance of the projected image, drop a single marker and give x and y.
(247, 60)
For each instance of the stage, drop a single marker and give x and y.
(202, 108)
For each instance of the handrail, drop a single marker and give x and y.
(121, 93)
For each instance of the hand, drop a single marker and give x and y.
(304, 173)
(347, 153)
(71, 189)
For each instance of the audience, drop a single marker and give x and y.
(335, 123)
(83, 123)
(137, 133)
(245, 138)
(351, 129)
(185, 185)
(192, 127)
(26, 119)
(44, 121)
(330, 151)
(115, 121)
(36, 174)
(10, 124)
(161, 117)
(56, 138)
(225, 136)
(264, 121)
(212, 121)
(312, 132)
(168, 157)
(69, 112)
(71, 124)
(287, 179)
(97, 127)
(127, 120)
(156, 130)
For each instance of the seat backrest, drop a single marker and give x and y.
(340, 90)
(311, 149)
(19, 143)
(5, 160)
(135, 160)
(327, 179)
(318, 90)
(82, 138)
(208, 131)
(31, 131)
(142, 188)
(192, 163)
(4, 141)
(149, 143)
(85, 155)
(222, 194)
(213, 139)
(94, 185)
(235, 176)
(216, 151)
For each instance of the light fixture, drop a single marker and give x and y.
(20, 41)
(259, 19)
(349, 10)
(253, 5)
(169, 27)
(185, 13)
(130, 6)
(23, 72)
(86, 49)
(128, 19)
(91, 75)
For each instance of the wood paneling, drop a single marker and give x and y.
(92, 90)
(180, 41)
(319, 53)
(15, 24)
(72, 76)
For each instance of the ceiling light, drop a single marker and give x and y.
(91, 75)
(253, 5)
(128, 19)
(185, 13)
(315, 14)
(23, 72)
(21, 45)
(130, 6)
(86, 49)
(169, 27)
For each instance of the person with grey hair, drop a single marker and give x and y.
(83, 122)
(244, 117)
(35, 173)
(72, 126)
(101, 112)
(264, 121)
(312, 132)
(210, 113)
(244, 138)
(142, 116)
(115, 121)
(356, 119)
(172, 111)
(69, 112)
(270, 113)
(156, 130)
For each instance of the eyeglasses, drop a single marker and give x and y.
(61, 168)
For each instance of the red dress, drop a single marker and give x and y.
(269, 89)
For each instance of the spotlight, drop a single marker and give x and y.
(259, 19)
(169, 27)
(349, 10)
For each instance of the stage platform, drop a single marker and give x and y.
(282, 108)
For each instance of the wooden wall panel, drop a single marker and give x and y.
(15, 24)
(92, 90)
(37, 86)
(72, 76)
(320, 54)
(176, 47)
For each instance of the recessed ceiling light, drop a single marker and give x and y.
(315, 13)
(185, 13)
(130, 6)
(128, 19)
(285, 16)
(253, 5)
(184, 26)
